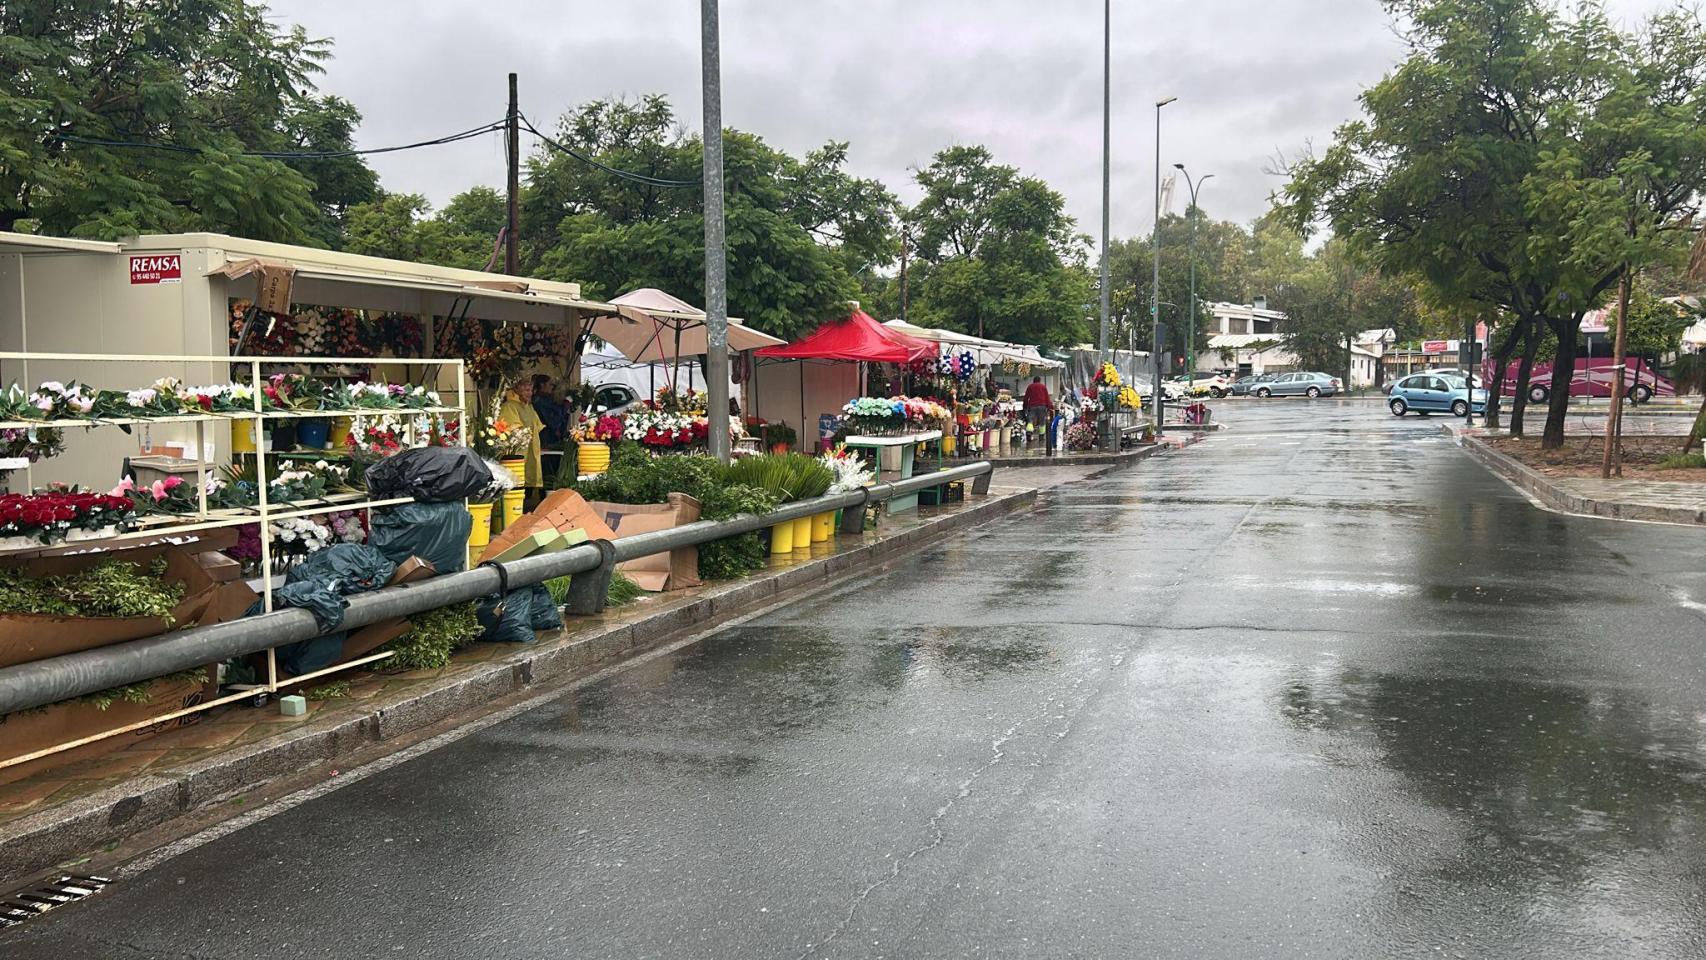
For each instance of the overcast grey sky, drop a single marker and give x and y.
(898, 79)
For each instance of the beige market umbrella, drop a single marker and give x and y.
(652, 326)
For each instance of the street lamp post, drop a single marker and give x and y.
(1155, 280)
(1107, 29)
(1191, 255)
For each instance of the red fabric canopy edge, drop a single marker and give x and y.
(858, 337)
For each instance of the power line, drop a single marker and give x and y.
(281, 154)
(613, 171)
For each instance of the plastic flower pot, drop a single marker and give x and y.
(517, 467)
(592, 458)
(823, 527)
(802, 532)
(242, 436)
(480, 533)
(782, 537)
(778, 448)
(513, 502)
(313, 434)
(947, 445)
(341, 427)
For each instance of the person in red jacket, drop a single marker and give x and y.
(1037, 404)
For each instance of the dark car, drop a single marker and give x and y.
(1243, 386)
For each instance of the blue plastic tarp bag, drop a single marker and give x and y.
(435, 532)
(319, 584)
(518, 616)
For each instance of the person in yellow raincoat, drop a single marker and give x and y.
(517, 408)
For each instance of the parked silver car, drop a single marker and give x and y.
(1309, 384)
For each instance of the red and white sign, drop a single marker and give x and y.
(165, 268)
(1436, 346)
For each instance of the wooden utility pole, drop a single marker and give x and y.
(1612, 463)
(512, 141)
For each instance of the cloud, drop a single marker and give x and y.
(898, 79)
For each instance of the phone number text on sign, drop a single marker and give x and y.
(156, 269)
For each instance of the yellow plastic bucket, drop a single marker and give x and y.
(782, 537)
(513, 502)
(242, 436)
(517, 467)
(341, 427)
(480, 533)
(948, 445)
(802, 532)
(823, 527)
(593, 457)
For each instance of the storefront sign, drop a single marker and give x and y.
(1435, 346)
(156, 269)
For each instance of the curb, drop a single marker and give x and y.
(1541, 487)
(1120, 459)
(38, 841)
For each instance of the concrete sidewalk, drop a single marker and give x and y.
(1625, 499)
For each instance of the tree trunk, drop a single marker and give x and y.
(1524, 371)
(1563, 371)
(1496, 386)
(1612, 462)
(1698, 431)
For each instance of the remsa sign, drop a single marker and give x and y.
(156, 269)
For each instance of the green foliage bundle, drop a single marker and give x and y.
(111, 588)
(622, 591)
(433, 636)
(636, 476)
(1682, 461)
(791, 476)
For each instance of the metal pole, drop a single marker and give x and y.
(1107, 28)
(716, 280)
(512, 140)
(1191, 334)
(1155, 280)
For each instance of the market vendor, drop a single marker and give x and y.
(1037, 404)
(551, 410)
(517, 408)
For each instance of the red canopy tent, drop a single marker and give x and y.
(839, 345)
(856, 338)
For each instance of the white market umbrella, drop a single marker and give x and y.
(652, 326)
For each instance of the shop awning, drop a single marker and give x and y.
(856, 338)
(31, 243)
(988, 352)
(649, 325)
(444, 294)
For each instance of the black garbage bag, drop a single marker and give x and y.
(524, 610)
(430, 475)
(435, 532)
(319, 584)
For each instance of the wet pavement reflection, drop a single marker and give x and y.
(1319, 686)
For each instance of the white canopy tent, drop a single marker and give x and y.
(653, 326)
(988, 352)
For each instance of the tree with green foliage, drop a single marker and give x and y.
(464, 234)
(998, 255)
(205, 83)
(800, 230)
(1519, 160)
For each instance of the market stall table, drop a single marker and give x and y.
(907, 443)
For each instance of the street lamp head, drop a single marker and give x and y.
(1178, 166)
(1162, 103)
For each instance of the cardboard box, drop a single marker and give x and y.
(672, 570)
(33, 636)
(563, 511)
(220, 567)
(27, 731)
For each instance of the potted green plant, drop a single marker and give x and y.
(779, 437)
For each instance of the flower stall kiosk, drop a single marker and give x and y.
(185, 418)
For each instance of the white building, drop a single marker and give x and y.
(1235, 318)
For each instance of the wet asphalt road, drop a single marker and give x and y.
(1318, 687)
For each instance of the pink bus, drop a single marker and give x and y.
(1593, 379)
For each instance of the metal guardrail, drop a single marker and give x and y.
(42, 682)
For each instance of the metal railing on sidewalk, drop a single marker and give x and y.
(592, 565)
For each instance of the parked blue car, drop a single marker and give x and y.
(1426, 393)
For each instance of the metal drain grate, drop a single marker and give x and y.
(35, 901)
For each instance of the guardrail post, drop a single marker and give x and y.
(853, 517)
(980, 483)
(589, 589)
